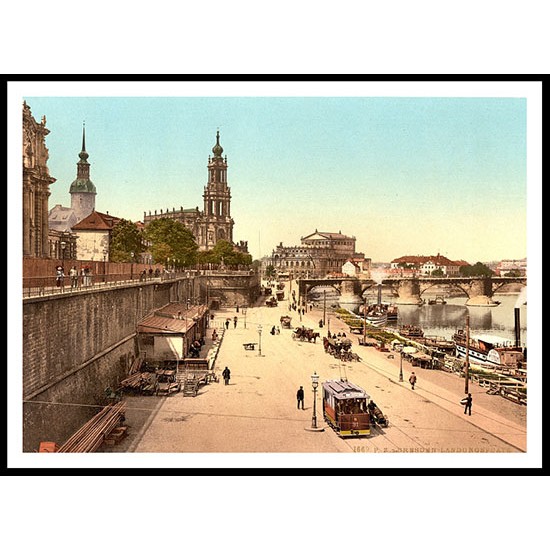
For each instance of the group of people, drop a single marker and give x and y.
(228, 322)
(152, 273)
(195, 347)
(77, 278)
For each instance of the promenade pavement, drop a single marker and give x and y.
(257, 412)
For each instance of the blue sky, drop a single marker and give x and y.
(404, 175)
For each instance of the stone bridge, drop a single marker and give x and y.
(478, 290)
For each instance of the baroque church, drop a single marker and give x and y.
(214, 223)
(83, 193)
(36, 187)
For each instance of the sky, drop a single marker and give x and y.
(406, 170)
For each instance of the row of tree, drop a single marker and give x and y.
(169, 242)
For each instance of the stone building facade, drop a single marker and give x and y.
(320, 254)
(214, 222)
(36, 186)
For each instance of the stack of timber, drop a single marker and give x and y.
(136, 365)
(90, 437)
(135, 381)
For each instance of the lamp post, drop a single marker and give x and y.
(365, 322)
(314, 385)
(132, 266)
(260, 340)
(401, 366)
(467, 359)
(105, 252)
(63, 246)
(244, 313)
(324, 307)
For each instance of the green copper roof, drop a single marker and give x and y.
(80, 185)
(83, 183)
(217, 149)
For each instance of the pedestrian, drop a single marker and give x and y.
(278, 330)
(226, 375)
(59, 276)
(272, 330)
(412, 379)
(235, 319)
(227, 324)
(300, 397)
(86, 276)
(73, 273)
(214, 335)
(468, 405)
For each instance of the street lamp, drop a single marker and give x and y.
(401, 367)
(105, 252)
(315, 385)
(260, 340)
(132, 266)
(62, 279)
(244, 313)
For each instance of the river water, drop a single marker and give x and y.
(443, 319)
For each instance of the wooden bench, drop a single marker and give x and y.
(249, 346)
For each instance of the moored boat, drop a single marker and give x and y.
(488, 350)
(411, 331)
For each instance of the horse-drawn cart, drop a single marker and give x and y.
(305, 334)
(271, 302)
(285, 321)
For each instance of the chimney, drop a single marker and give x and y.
(379, 294)
(517, 327)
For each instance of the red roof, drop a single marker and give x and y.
(419, 260)
(174, 318)
(97, 220)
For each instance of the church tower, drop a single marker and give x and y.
(82, 189)
(217, 201)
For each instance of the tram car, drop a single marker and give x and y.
(345, 408)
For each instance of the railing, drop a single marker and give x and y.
(47, 286)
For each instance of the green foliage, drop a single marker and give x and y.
(224, 253)
(270, 271)
(476, 270)
(125, 240)
(171, 239)
(437, 272)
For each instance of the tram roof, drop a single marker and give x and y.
(342, 389)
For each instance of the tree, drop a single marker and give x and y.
(126, 239)
(171, 239)
(476, 270)
(270, 271)
(437, 272)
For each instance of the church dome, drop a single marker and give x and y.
(82, 185)
(217, 149)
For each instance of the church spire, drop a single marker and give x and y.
(83, 154)
(217, 149)
(82, 183)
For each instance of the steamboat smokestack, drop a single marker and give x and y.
(517, 327)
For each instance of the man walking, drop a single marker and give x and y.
(226, 375)
(300, 397)
(468, 405)
(412, 379)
